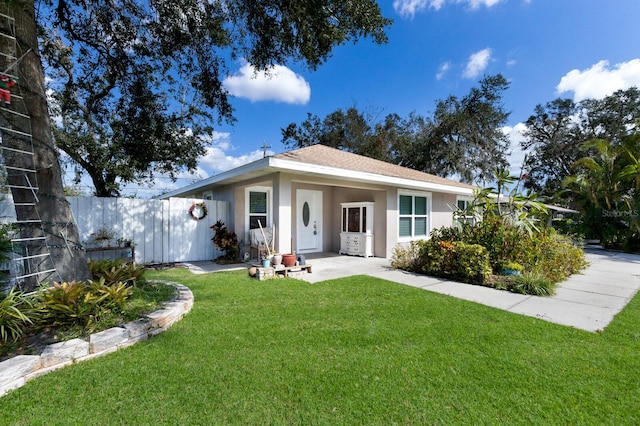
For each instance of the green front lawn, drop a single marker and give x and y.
(357, 350)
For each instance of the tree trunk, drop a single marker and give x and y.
(52, 206)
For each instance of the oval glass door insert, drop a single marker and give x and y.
(305, 214)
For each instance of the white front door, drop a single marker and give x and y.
(309, 221)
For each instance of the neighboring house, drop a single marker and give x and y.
(322, 199)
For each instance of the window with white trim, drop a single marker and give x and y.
(462, 204)
(413, 215)
(258, 207)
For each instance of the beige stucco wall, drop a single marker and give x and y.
(334, 192)
(442, 206)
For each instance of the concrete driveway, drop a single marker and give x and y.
(587, 301)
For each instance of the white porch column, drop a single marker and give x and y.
(392, 221)
(282, 214)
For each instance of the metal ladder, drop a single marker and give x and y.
(31, 262)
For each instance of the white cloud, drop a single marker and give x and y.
(477, 63)
(216, 160)
(408, 8)
(442, 70)
(516, 155)
(600, 80)
(278, 84)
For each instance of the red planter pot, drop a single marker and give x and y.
(289, 260)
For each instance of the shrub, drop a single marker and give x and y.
(547, 255)
(456, 260)
(406, 256)
(15, 313)
(225, 240)
(545, 252)
(471, 263)
(502, 241)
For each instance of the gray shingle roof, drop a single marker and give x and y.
(323, 155)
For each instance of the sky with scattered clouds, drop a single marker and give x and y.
(545, 48)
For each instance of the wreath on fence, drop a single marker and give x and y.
(198, 211)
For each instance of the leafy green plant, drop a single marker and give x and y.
(15, 312)
(110, 294)
(544, 252)
(471, 263)
(114, 271)
(225, 240)
(65, 304)
(532, 283)
(76, 304)
(552, 257)
(456, 260)
(515, 209)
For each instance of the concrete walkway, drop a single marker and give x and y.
(586, 301)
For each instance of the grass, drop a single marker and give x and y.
(357, 350)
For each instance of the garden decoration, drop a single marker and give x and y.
(6, 82)
(198, 211)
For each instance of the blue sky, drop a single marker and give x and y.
(546, 49)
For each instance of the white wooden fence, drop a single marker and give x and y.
(162, 231)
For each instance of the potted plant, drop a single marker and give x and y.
(124, 242)
(103, 236)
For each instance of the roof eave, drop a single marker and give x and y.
(220, 178)
(296, 166)
(278, 164)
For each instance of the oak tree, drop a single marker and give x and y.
(463, 139)
(138, 78)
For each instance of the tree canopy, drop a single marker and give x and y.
(557, 131)
(464, 137)
(138, 84)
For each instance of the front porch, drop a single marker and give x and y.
(325, 266)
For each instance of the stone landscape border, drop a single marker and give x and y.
(17, 371)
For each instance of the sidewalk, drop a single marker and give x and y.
(586, 301)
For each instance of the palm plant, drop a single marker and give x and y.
(605, 185)
(515, 209)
